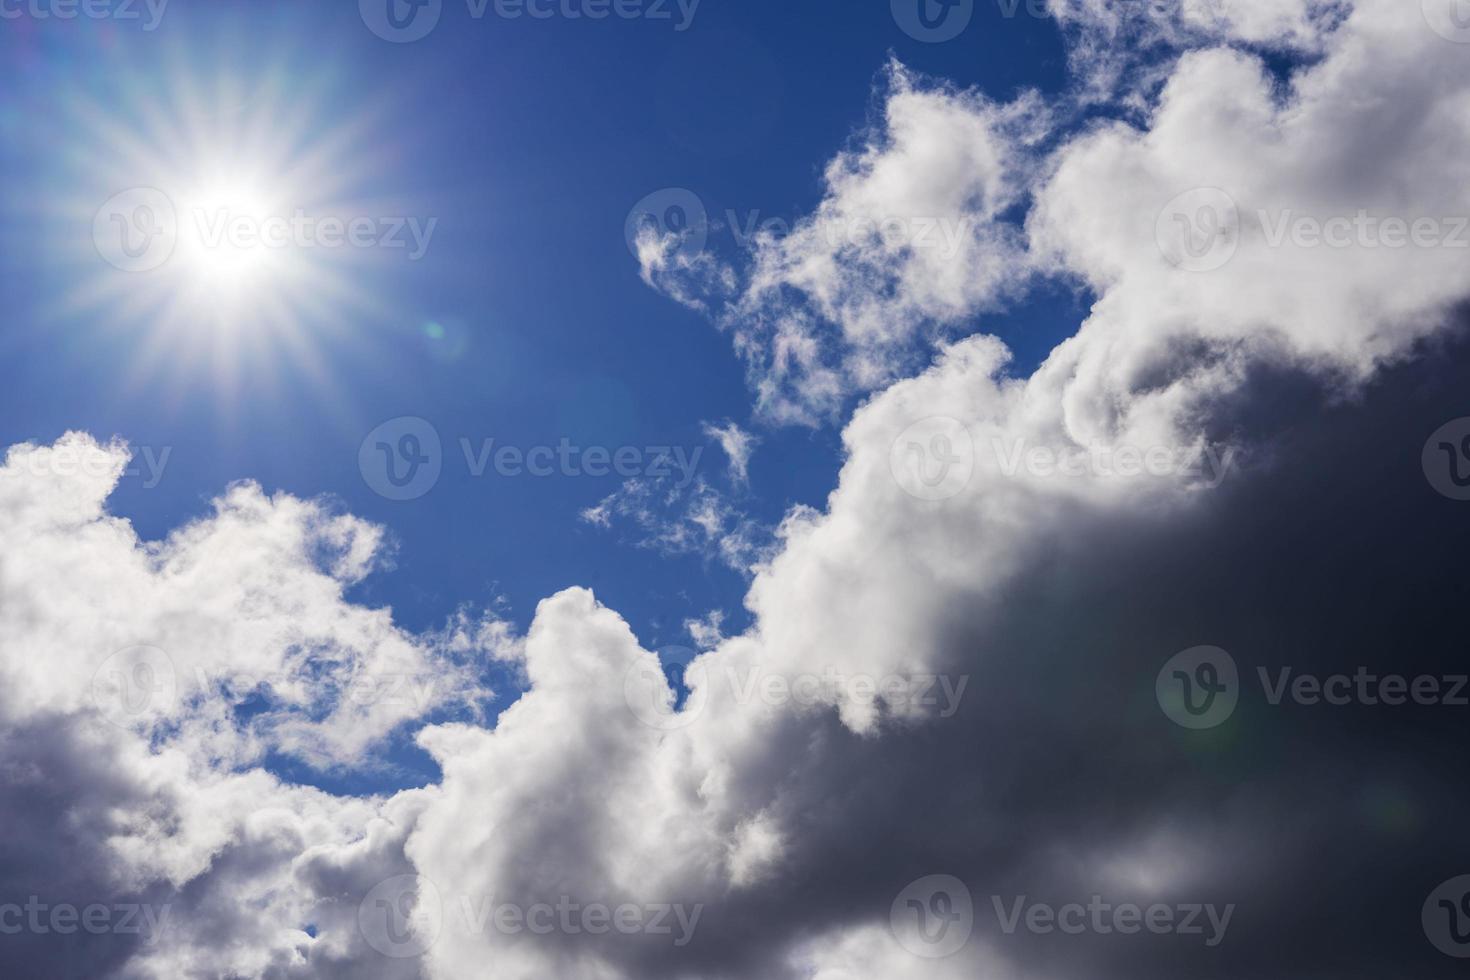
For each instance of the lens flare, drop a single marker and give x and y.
(233, 220)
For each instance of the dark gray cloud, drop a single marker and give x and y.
(1325, 826)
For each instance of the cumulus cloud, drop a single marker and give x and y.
(174, 669)
(905, 247)
(951, 669)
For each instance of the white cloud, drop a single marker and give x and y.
(906, 246)
(738, 445)
(761, 812)
(677, 521)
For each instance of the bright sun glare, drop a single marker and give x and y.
(225, 235)
(206, 199)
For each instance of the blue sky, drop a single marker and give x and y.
(1152, 487)
(524, 321)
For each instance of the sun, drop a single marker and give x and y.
(226, 233)
(202, 214)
